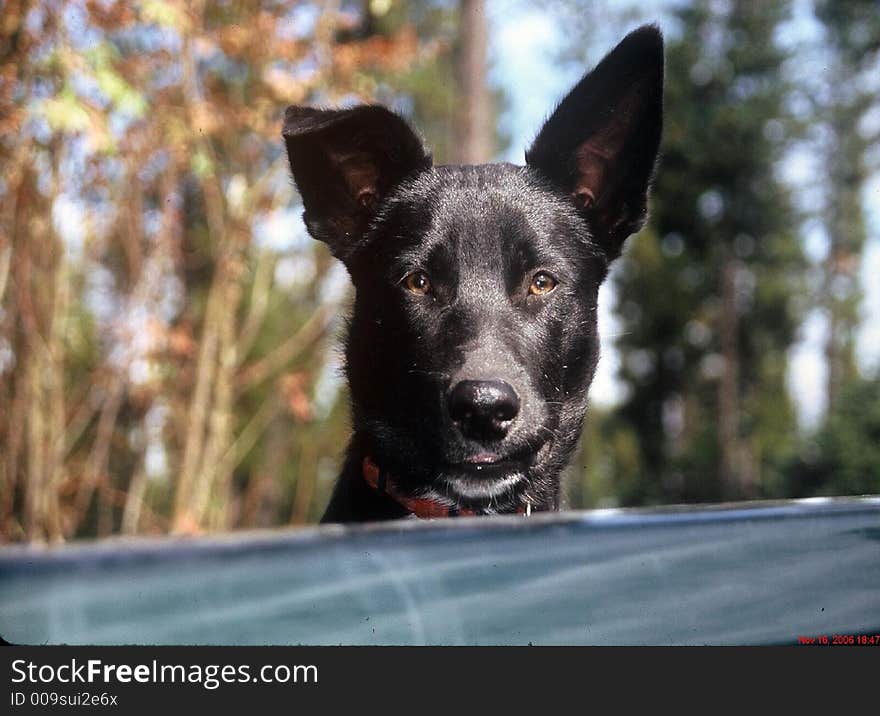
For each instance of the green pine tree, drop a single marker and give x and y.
(707, 295)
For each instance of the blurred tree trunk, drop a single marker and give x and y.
(34, 428)
(134, 501)
(735, 479)
(475, 134)
(728, 385)
(305, 484)
(847, 233)
(853, 55)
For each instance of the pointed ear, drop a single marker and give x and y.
(344, 163)
(600, 145)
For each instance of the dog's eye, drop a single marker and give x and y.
(542, 284)
(417, 282)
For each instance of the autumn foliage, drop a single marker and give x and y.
(165, 327)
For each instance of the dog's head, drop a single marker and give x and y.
(474, 338)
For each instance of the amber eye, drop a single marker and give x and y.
(417, 282)
(542, 284)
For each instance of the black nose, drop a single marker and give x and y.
(483, 409)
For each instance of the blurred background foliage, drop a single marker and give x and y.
(168, 332)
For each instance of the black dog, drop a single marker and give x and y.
(473, 341)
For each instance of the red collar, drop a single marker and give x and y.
(421, 507)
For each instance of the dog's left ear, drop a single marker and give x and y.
(344, 163)
(600, 145)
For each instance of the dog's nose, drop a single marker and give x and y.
(483, 409)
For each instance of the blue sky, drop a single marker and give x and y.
(525, 42)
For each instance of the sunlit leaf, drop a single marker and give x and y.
(64, 113)
(201, 164)
(164, 14)
(120, 93)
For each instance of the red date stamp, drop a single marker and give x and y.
(840, 640)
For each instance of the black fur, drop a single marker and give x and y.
(479, 235)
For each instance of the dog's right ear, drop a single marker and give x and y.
(344, 163)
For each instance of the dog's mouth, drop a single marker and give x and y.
(487, 462)
(487, 475)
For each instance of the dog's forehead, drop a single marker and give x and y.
(489, 192)
(485, 207)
